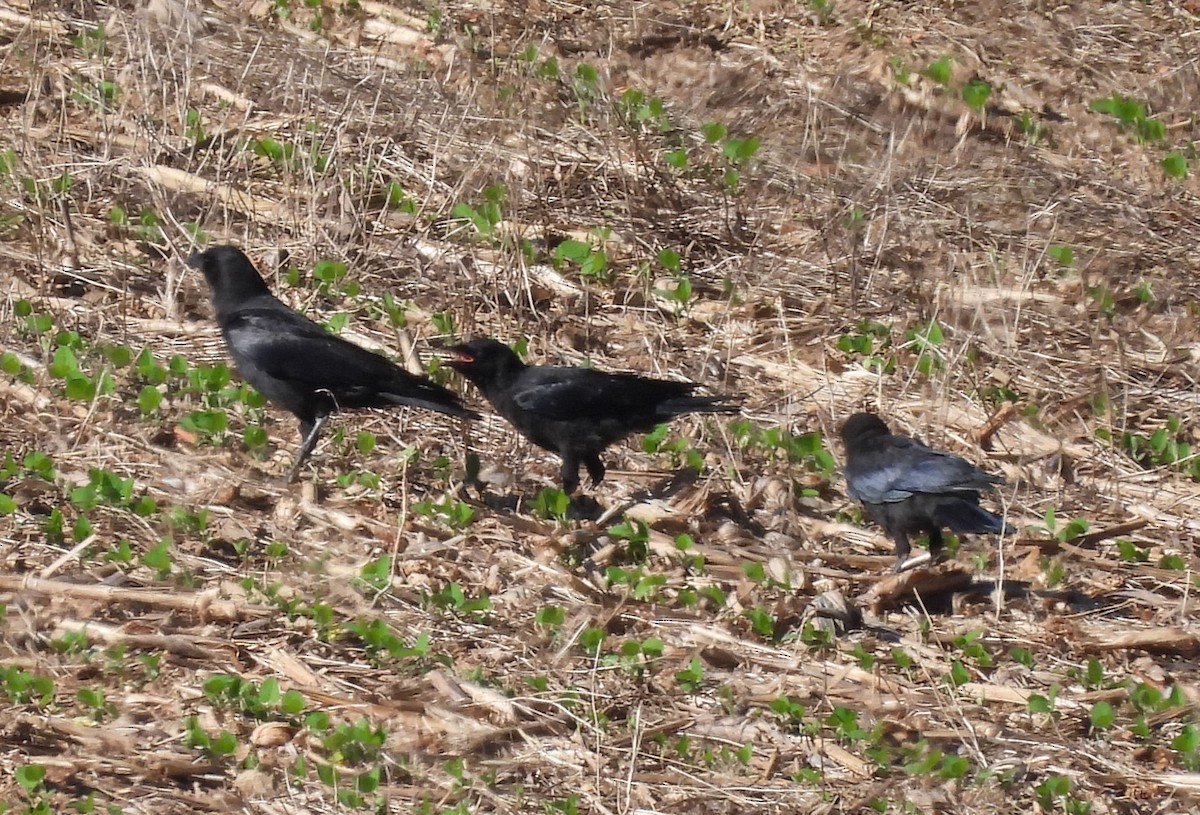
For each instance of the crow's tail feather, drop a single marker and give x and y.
(422, 393)
(437, 407)
(699, 404)
(964, 516)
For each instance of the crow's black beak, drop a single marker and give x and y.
(196, 260)
(461, 359)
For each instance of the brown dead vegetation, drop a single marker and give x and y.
(869, 200)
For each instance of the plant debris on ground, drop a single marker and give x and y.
(980, 222)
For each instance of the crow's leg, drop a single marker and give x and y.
(311, 431)
(902, 550)
(569, 474)
(935, 543)
(595, 468)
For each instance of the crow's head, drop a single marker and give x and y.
(230, 275)
(862, 426)
(482, 360)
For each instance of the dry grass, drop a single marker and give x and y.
(868, 199)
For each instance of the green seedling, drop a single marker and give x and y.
(592, 263)
(976, 94)
(552, 504)
(642, 586)
(217, 748)
(1132, 117)
(451, 597)
(939, 71)
(691, 678)
(485, 215)
(1064, 531)
(376, 575)
(449, 510)
(382, 644)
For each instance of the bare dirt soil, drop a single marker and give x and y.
(916, 208)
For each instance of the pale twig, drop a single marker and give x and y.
(206, 605)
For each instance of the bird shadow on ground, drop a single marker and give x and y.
(581, 507)
(584, 507)
(941, 590)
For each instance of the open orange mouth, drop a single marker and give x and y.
(461, 356)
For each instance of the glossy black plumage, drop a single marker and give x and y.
(575, 412)
(908, 488)
(297, 364)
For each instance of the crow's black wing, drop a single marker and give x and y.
(562, 394)
(287, 346)
(299, 350)
(266, 314)
(902, 466)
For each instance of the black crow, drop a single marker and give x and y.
(908, 488)
(575, 412)
(297, 364)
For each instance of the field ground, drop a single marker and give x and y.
(980, 219)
